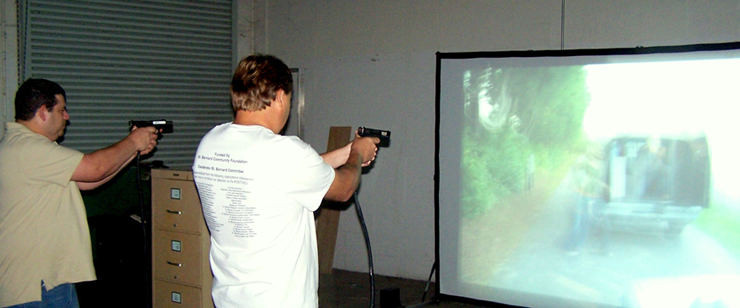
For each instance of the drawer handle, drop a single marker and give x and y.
(174, 264)
(174, 212)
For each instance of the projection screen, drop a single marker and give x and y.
(589, 178)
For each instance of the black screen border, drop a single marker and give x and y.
(440, 56)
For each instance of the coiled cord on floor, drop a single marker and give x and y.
(369, 250)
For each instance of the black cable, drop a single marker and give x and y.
(426, 289)
(147, 284)
(369, 250)
(562, 25)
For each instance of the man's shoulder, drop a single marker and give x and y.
(294, 145)
(18, 134)
(21, 140)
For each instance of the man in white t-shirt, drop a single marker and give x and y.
(259, 190)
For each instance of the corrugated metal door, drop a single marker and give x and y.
(133, 60)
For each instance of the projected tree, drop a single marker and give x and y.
(516, 114)
(552, 106)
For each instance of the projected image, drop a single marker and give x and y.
(615, 184)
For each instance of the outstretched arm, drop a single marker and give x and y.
(100, 166)
(93, 185)
(337, 158)
(347, 177)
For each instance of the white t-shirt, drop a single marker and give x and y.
(258, 191)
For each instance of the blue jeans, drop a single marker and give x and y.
(62, 296)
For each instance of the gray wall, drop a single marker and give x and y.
(8, 62)
(372, 63)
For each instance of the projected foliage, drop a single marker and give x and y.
(589, 178)
(512, 114)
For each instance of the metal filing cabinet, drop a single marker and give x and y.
(181, 273)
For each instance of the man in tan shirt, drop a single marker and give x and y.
(44, 238)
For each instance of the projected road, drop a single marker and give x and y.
(541, 264)
(611, 184)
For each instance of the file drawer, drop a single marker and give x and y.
(181, 273)
(177, 206)
(171, 295)
(178, 257)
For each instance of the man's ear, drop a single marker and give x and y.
(280, 98)
(42, 113)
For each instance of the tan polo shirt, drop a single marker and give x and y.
(43, 223)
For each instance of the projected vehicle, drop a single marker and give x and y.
(656, 182)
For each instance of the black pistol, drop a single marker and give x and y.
(165, 126)
(383, 135)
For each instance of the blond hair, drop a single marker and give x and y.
(256, 81)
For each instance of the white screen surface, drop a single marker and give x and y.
(589, 178)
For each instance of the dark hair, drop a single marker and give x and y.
(33, 94)
(256, 81)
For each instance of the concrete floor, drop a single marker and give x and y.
(341, 289)
(124, 277)
(345, 289)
